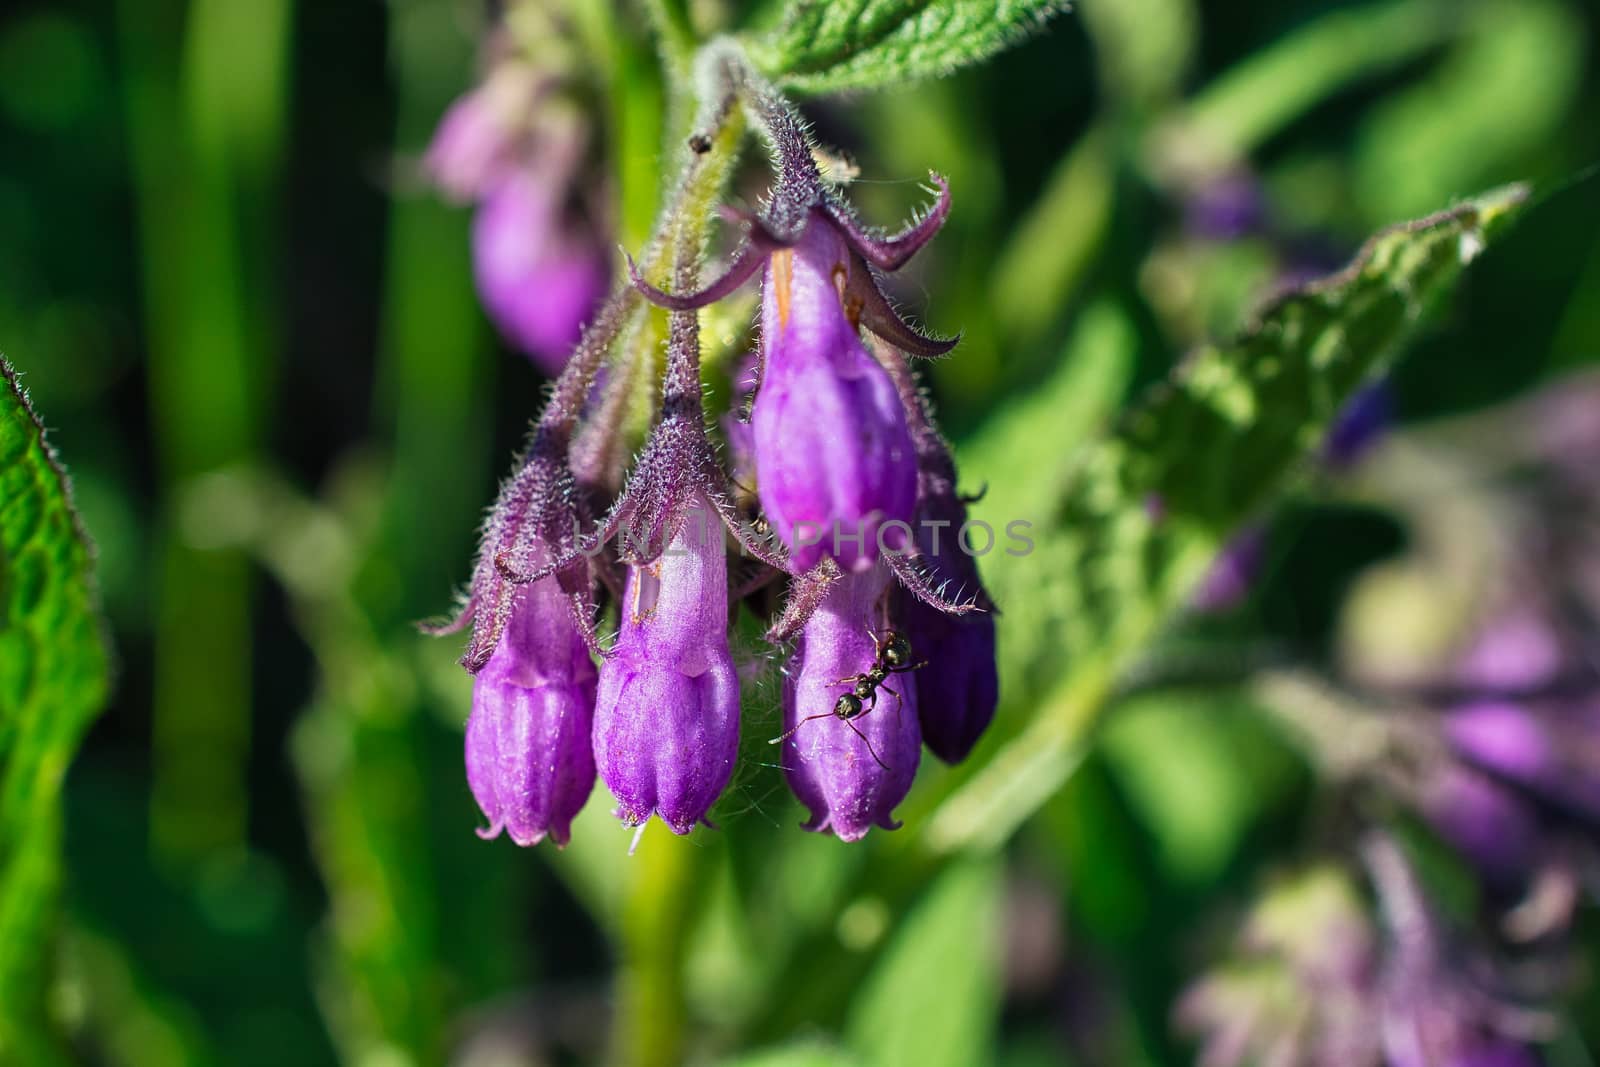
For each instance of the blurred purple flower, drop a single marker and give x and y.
(541, 267)
(1300, 989)
(1363, 420)
(479, 139)
(1233, 573)
(851, 772)
(1439, 1006)
(1551, 749)
(1515, 650)
(1493, 828)
(541, 273)
(667, 722)
(1227, 208)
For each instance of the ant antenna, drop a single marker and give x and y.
(791, 731)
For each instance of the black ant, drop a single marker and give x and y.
(891, 655)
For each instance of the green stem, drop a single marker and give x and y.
(651, 1013)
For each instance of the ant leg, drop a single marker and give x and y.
(898, 703)
(907, 669)
(870, 750)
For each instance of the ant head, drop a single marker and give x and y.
(896, 649)
(847, 706)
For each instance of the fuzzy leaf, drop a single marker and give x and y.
(832, 45)
(53, 677)
(1123, 541)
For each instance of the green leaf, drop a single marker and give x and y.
(1134, 527)
(933, 997)
(1511, 79)
(1274, 86)
(1198, 769)
(54, 665)
(832, 45)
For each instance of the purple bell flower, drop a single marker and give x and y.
(851, 772)
(834, 457)
(667, 723)
(959, 689)
(529, 761)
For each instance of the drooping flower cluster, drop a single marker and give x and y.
(1503, 681)
(517, 147)
(1470, 695)
(850, 477)
(1318, 982)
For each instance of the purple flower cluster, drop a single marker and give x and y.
(1512, 706)
(515, 147)
(839, 437)
(1322, 983)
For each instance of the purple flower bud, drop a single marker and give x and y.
(834, 456)
(1227, 208)
(541, 273)
(958, 690)
(1362, 421)
(1232, 573)
(667, 722)
(529, 761)
(851, 772)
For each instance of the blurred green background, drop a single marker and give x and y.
(252, 331)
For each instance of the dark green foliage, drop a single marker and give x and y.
(825, 46)
(53, 677)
